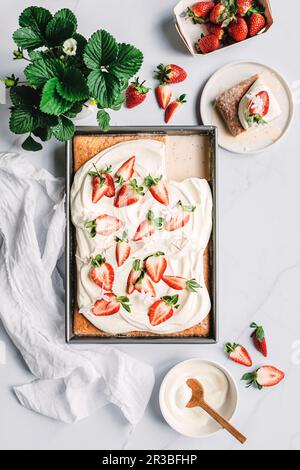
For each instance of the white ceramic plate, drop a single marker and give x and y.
(211, 428)
(256, 140)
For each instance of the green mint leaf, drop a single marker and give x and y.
(31, 145)
(43, 133)
(26, 38)
(35, 18)
(103, 119)
(42, 70)
(52, 102)
(128, 62)
(104, 87)
(64, 130)
(101, 50)
(23, 119)
(62, 27)
(72, 85)
(24, 95)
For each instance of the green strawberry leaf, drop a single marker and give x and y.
(76, 109)
(103, 119)
(104, 87)
(62, 27)
(128, 63)
(117, 105)
(73, 85)
(31, 145)
(24, 95)
(43, 133)
(26, 38)
(64, 130)
(42, 70)
(52, 102)
(81, 43)
(101, 50)
(35, 18)
(23, 119)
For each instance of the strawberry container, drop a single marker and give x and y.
(190, 33)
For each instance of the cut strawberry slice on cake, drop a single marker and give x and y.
(163, 309)
(129, 194)
(104, 225)
(148, 227)
(110, 304)
(158, 189)
(180, 217)
(125, 172)
(180, 283)
(144, 285)
(134, 275)
(156, 265)
(102, 273)
(123, 249)
(103, 184)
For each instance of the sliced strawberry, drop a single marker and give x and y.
(110, 304)
(259, 339)
(99, 189)
(126, 171)
(163, 94)
(180, 283)
(103, 184)
(148, 227)
(180, 218)
(102, 273)
(104, 225)
(267, 376)
(145, 286)
(162, 310)
(171, 73)
(158, 189)
(129, 194)
(262, 98)
(134, 276)
(238, 354)
(156, 265)
(123, 249)
(172, 108)
(109, 181)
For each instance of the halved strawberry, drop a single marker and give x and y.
(156, 265)
(126, 171)
(180, 218)
(103, 184)
(110, 304)
(109, 181)
(129, 194)
(259, 339)
(266, 376)
(172, 108)
(145, 286)
(260, 105)
(134, 275)
(200, 11)
(102, 273)
(163, 309)
(148, 227)
(123, 249)
(158, 189)
(238, 354)
(171, 73)
(180, 283)
(104, 225)
(163, 94)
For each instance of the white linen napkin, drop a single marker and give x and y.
(71, 381)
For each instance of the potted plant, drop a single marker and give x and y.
(64, 72)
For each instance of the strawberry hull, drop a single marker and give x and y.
(190, 33)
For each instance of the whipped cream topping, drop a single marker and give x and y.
(183, 248)
(252, 98)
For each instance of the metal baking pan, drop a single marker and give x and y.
(211, 133)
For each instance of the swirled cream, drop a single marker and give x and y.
(183, 248)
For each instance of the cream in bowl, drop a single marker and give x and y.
(220, 393)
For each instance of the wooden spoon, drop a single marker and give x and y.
(198, 399)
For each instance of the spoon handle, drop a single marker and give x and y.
(223, 422)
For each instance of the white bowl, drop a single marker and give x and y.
(211, 428)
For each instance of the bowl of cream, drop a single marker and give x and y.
(221, 393)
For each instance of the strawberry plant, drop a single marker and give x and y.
(64, 71)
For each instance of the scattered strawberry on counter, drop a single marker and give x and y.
(238, 354)
(164, 95)
(266, 376)
(136, 93)
(169, 75)
(172, 108)
(259, 339)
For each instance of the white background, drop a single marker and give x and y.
(259, 227)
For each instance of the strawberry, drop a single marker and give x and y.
(163, 95)
(256, 23)
(170, 74)
(136, 94)
(145, 286)
(217, 30)
(123, 249)
(238, 354)
(103, 184)
(129, 194)
(218, 14)
(110, 304)
(148, 227)
(263, 100)
(104, 225)
(243, 6)
(267, 376)
(126, 171)
(238, 30)
(207, 44)
(134, 276)
(102, 273)
(223, 13)
(200, 11)
(180, 283)
(156, 265)
(158, 189)
(180, 218)
(259, 339)
(172, 108)
(162, 310)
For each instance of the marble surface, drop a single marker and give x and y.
(259, 250)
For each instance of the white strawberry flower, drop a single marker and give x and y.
(70, 47)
